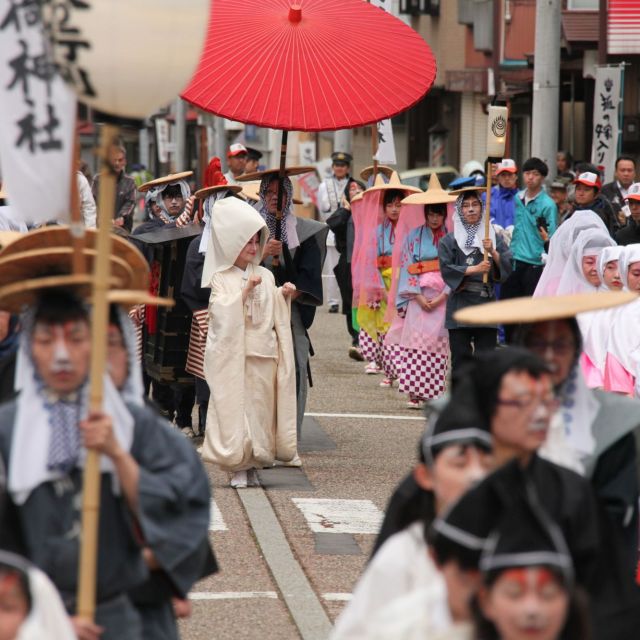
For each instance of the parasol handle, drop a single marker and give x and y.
(374, 150)
(281, 175)
(487, 218)
(87, 569)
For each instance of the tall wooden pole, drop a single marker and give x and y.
(87, 570)
(487, 217)
(374, 150)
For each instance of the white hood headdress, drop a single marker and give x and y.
(233, 224)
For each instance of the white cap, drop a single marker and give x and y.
(633, 192)
(508, 165)
(236, 149)
(589, 179)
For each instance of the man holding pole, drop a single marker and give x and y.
(150, 488)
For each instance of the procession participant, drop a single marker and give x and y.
(596, 327)
(169, 200)
(535, 222)
(341, 224)
(300, 254)
(193, 291)
(253, 160)
(622, 367)
(420, 296)
(125, 189)
(560, 247)
(30, 605)
(588, 197)
(382, 206)
(528, 587)
(165, 592)
(462, 266)
(147, 470)
(330, 194)
(454, 453)
(580, 274)
(249, 360)
(9, 336)
(630, 233)
(503, 195)
(237, 156)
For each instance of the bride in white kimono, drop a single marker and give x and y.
(249, 361)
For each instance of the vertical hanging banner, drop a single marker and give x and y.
(386, 145)
(37, 117)
(606, 119)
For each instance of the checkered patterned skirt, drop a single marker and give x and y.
(423, 374)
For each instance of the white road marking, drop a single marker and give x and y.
(216, 521)
(374, 416)
(231, 595)
(337, 597)
(340, 516)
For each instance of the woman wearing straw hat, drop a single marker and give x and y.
(463, 267)
(421, 297)
(377, 224)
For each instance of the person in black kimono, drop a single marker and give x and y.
(165, 592)
(462, 266)
(154, 493)
(341, 223)
(301, 252)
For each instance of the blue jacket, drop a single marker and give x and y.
(503, 206)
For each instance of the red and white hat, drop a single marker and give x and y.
(236, 150)
(508, 165)
(588, 179)
(633, 192)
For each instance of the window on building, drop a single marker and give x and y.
(582, 5)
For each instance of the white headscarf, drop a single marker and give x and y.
(233, 224)
(609, 254)
(624, 340)
(590, 242)
(470, 237)
(560, 246)
(184, 188)
(207, 208)
(47, 619)
(133, 390)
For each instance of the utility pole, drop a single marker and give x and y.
(546, 81)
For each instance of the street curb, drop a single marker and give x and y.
(303, 604)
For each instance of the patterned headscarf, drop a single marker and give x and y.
(471, 229)
(270, 219)
(152, 197)
(184, 188)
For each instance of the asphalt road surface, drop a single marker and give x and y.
(291, 551)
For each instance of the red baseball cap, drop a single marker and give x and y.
(236, 150)
(588, 179)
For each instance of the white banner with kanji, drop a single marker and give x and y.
(37, 118)
(606, 119)
(386, 146)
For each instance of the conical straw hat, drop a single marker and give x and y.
(394, 183)
(367, 172)
(435, 194)
(527, 310)
(158, 182)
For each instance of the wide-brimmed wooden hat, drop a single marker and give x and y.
(251, 191)
(289, 171)
(158, 182)
(44, 259)
(7, 237)
(528, 310)
(201, 194)
(435, 194)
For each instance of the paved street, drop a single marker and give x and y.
(291, 552)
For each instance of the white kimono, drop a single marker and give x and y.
(249, 362)
(401, 568)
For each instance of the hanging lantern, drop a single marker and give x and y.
(127, 57)
(497, 132)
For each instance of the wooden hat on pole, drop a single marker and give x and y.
(367, 172)
(393, 183)
(289, 171)
(158, 182)
(528, 310)
(43, 259)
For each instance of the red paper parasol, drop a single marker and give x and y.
(311, 66)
